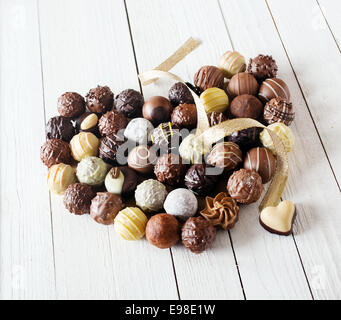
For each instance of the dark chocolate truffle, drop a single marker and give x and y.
(163, 230)
(100, 99)
(242, 83)
(209, 77)
(105, 207)
(121, 180)
(180, 94)
(226, 155)
(246, 138)
(198, 234)
(77, 198)
(55, 151)
(185, 116)
(142, 159)
(169, 169)
(166, 138)
(157, 110)
(109, 148)
(130, 103)
(279, 110)
(60, 128)
(111, 122)
(246, 106)
(262, 67)
(71, 105)
(273, 88)
(215, 118)
(87, 122)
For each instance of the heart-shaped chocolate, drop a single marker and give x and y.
(278, 219)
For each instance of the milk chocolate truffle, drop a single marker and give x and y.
(142, 159)
(166, 137)
(130, 103)
(185, 116)
(139, 130)
(279, 110)
(105, 207)
(273, 88)
(230, 63)
(193, 150)
(77, 198)
(88, 122)
(262, 67)
(214, 99)
(209, 77)
(59, 177)
(100, 99)
(84, 144)
(246, 138)
(60, 128)
(163, 230)
(71, 105)
(169, 169)
(242, 83)
(180, 94)
(198, 234)
(215, 118)
(111, 122)
(110, 149)
(246, 106)
(245, 186)
(121, 180)
(92, 171)
(262, 161)
(55, 151)
(157, 110)
(226, 155)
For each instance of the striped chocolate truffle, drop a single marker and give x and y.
(84, 144)
(215, 118)
(243, 83)
(166, 137)
(59, 177)
(209, 77)
(214, 99)
(231, 63)
(279, 110)
(225, 155)
(273, 88)
(108, 148)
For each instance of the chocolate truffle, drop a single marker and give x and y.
(71, 105)
(226, 155)
(100, 99)
(230, 63)
(181, 203)
(60, 128)
(166, 138)
(55, 151)
(77, 198)
(200, 180)
(111, 122)
(185, 116)
(157, 110)
(130, 103)
(84, 144)
(180, 94)
(150, 195)
(262, 67)
(246, 106)
(142, 159)
(214, 99)
(262, 161)
(246, 138)
(209, 77)
(110, 149)
(139, 130)
(105, 207)
(245, 186)
(198, 234)
(121, 180)
(92, 171)
(193, 150)
(273, 88)
(215, 118)
(169, 169)
(87, 122)
(242, 83)
(279, 110)
(163, 230)
(59, 177)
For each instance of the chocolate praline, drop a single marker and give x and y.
(246, 138)
(184, 116)
(166, 138)
(60, 128)
(169, 169)
(111, 122)
(87, 122)
(215, 118)
(55, 151)
(273, 88)
(242, 83)
(157, 109)
(262, 67)
(142, 159)
(70, 104)
(246, 106)
(226, 155)
(209, 77)
(130, 103)
(109, 148)
(99, 99)
(180, 94)
(121, 180)
(77, 198)
(279, 110)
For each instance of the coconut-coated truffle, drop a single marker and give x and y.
(77, 198)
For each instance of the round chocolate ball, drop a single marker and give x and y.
(166, 138)
(121, 180)
(111, 122)
(273, 88)
(71, 104)
(242, 83)
(77, 198)
(157, 110)
(198, 234)
(139, 130)
(185, 116)
(87, 122)
(262, 67)
(109, 149)
(60, 128)
(130, 103)
(142, 159)
(169, 169)
(215, 118)
(180, 94)
(279, 110)
(226, 155)
(92, 171)
(163, 230)
(55, 151)
(100, 99)
(209, 77)
(246, 106)
(246, 138)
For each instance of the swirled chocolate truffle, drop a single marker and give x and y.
(121, 180)
(109, 148)
(87, 122)
(166, 137)
(111, 122)
(279, 110)
(169, 169)
(71, 104)
(226, 155)
(185, 116)
(55, 151)
(100, 99)
(179, 94)
(245, 186)
(262, 67)
(198, 234)
(157, 110)
(130, 103)
(242, 83)
(246, 106)
(60, 128)
(246, 138)
(142, 159)
(215, 118)
(209, 77)
(77, 198)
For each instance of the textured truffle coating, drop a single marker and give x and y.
(215, 118)
(246, 138)
(157, 110)
(100, 99)
(55, 151)
(246, 106)
(262, 67)
(279, 110)
(60, 128)
(111, 122)
(77, 198)
(92, 171)
(129, 102)
(179, 94)
(169, 169)
(209, 77)
(109, 148)
(242, 83)
(184, 116)
(225, 155)
(71, 104)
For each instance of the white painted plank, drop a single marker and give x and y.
(311, 184)
(26, 252)
(85, 44)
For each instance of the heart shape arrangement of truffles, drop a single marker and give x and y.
(178, 168)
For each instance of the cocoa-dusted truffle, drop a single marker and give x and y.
(226, 155)
(100, 99)
(179, 94)
(245, 186)
(111, 122)
(198, 234)
(142, 159)
(60, 128)
(157, 110)
(185, 116)
(279, 110)
(105, 207)
(70, 104)
(121, 180)
(246, 138)
(166, 137)
(130, 103)
(246, 106)
(55, 151)
(262, 67)
(209, 77)
(242, 83)
(109, 149)
(77, 198)
(169, 169)
(163, 230)
(273, 88)
(215, 118)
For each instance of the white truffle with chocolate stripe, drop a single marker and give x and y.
(273, 88)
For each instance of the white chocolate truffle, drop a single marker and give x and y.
(59, 177)
(84, 144)
(192, 150)
(139, 130)
(114, 184)
(92, 171)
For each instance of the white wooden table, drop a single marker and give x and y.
(48, 47)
